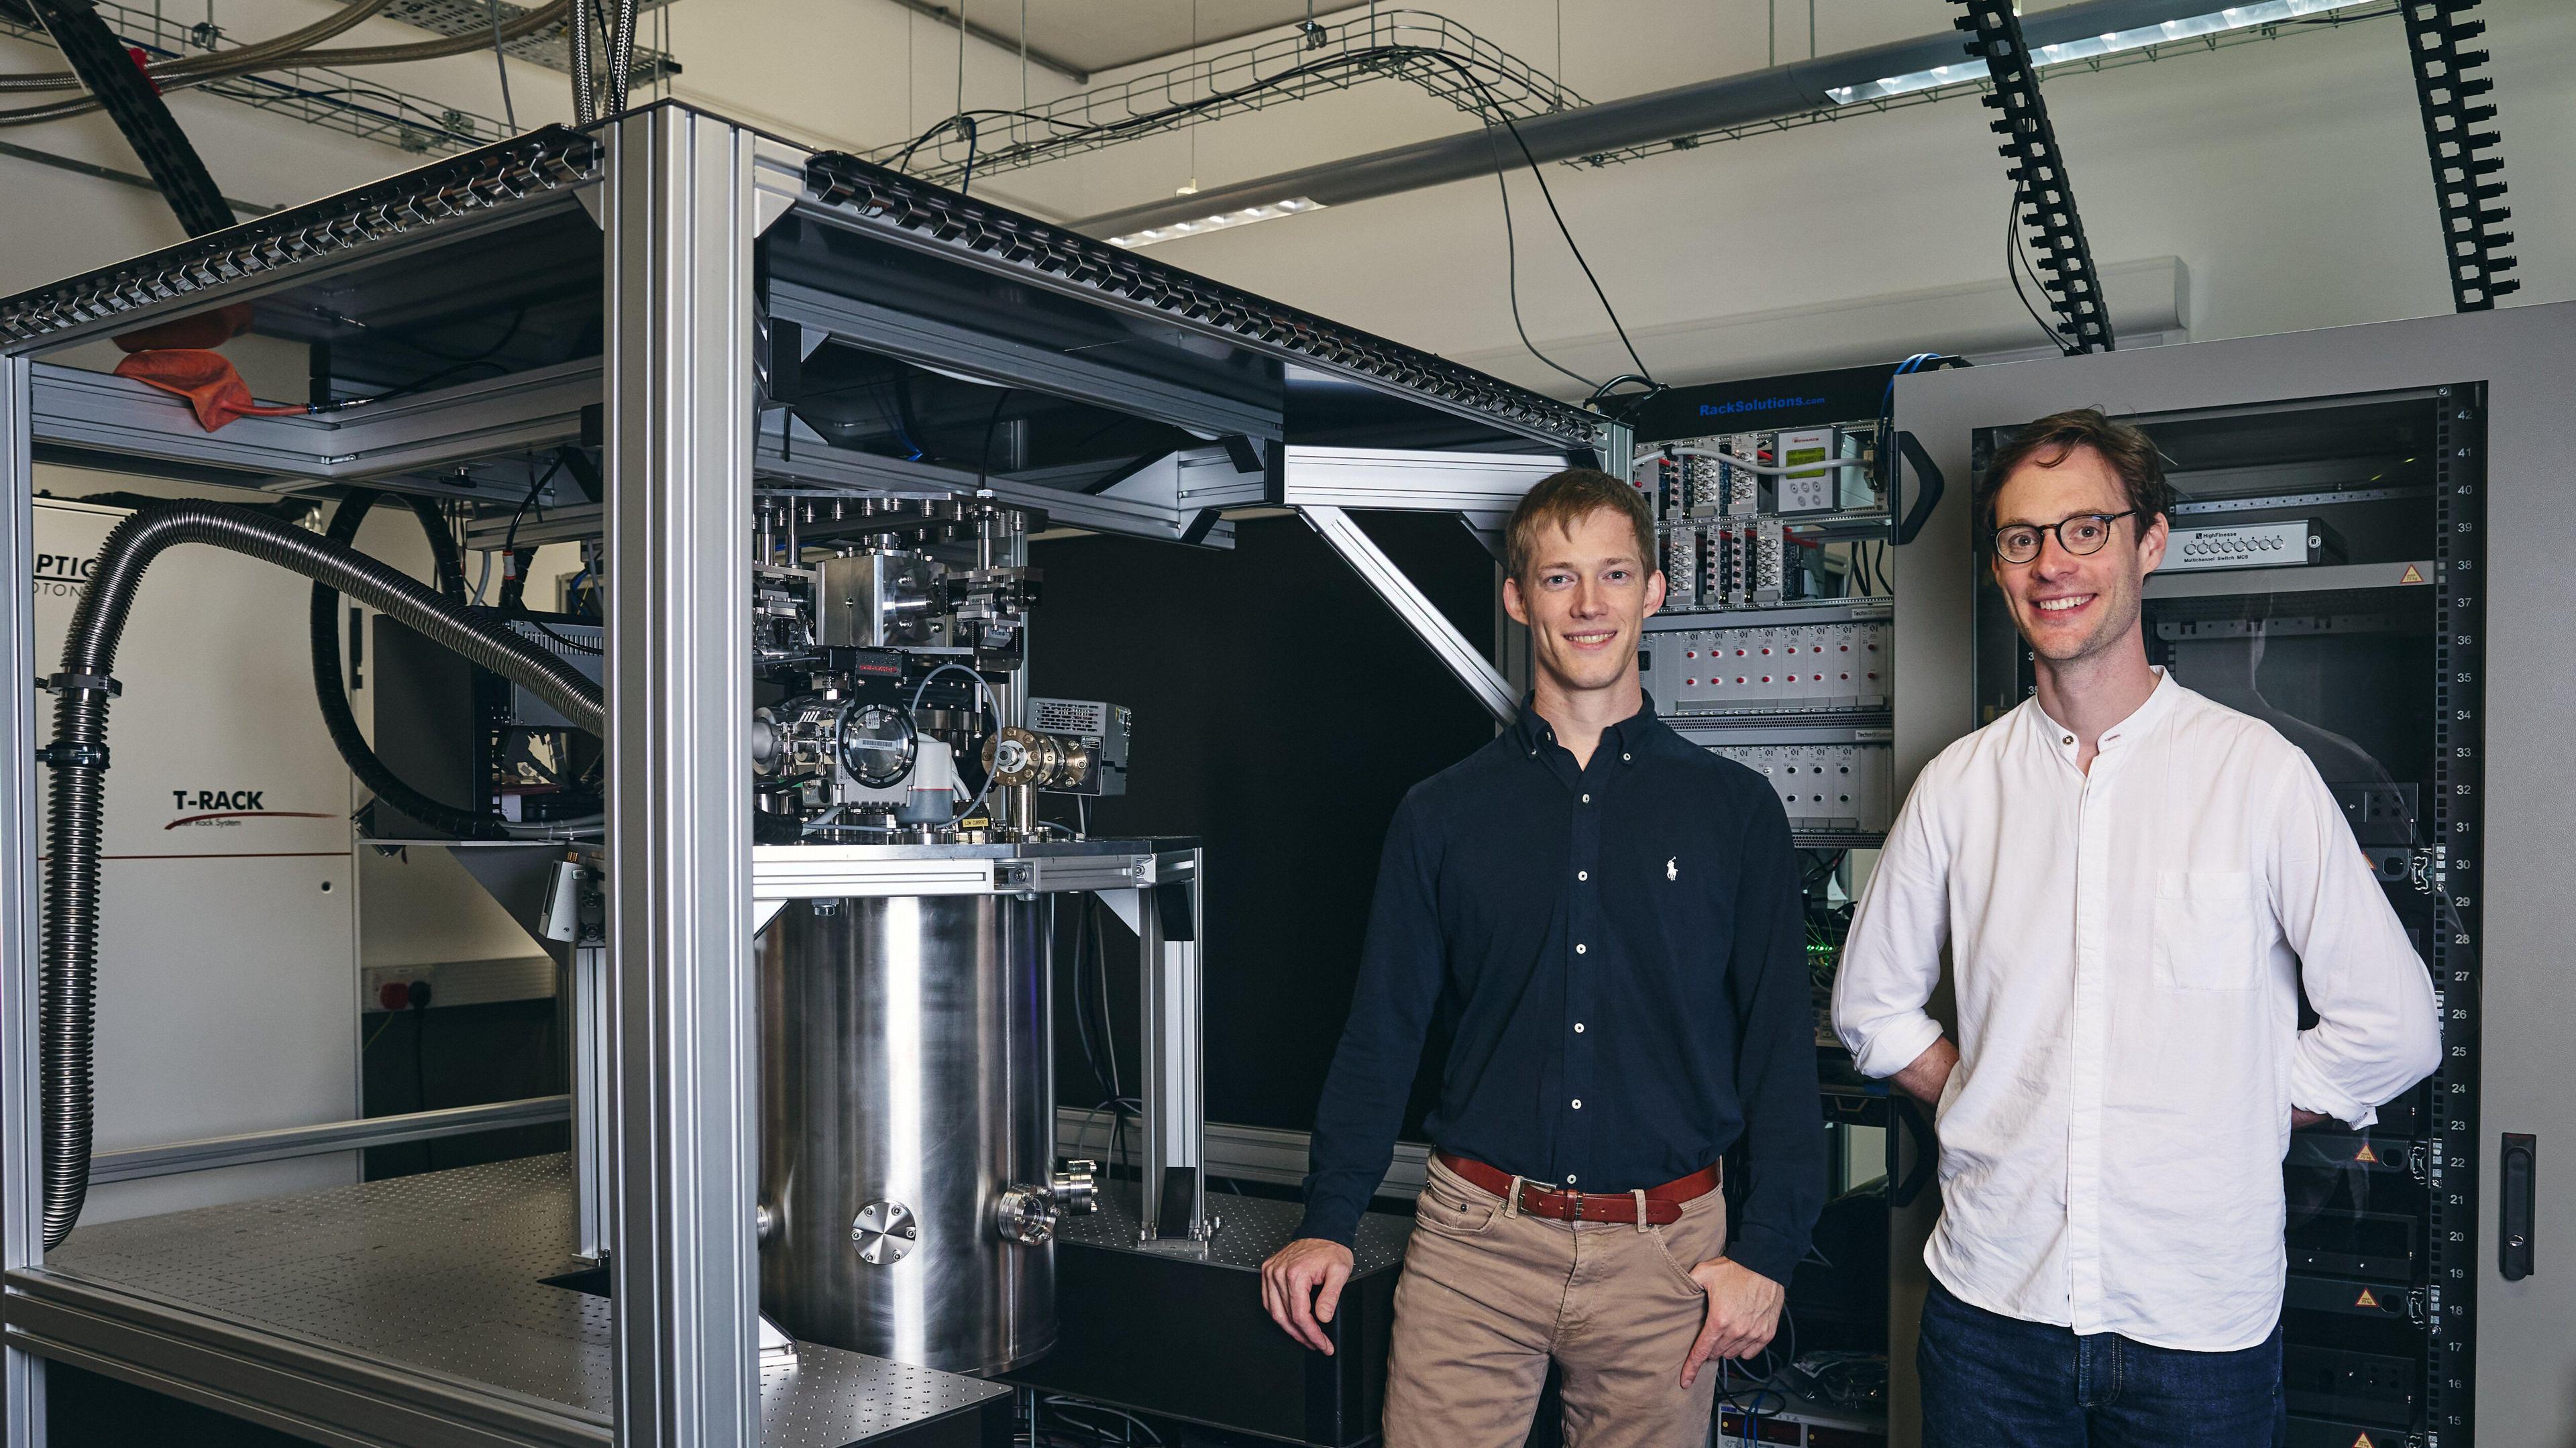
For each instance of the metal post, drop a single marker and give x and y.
(22, 1375)
(594, 1091)
(678, 219)
(1173, 1200)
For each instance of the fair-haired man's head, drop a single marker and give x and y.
(1580, 554)
(2073, 514)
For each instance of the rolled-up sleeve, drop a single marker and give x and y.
(1892, 957)
(2377, 1032)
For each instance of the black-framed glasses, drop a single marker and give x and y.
(2081, 535)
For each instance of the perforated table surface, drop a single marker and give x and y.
(406, 1310)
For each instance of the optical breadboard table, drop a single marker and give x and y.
(416, 1311)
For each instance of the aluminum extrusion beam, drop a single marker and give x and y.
(679, 218)
(1171, 937)
(1736, 100)
(127, 426)
(1004, 359)
(207, 1153)
(22, 1375)
(1418, 613)
(1395, 480)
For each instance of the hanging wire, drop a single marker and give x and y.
(501, 63)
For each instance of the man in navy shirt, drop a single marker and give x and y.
(1612, 918)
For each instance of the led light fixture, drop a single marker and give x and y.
(2235, 17)
(1248, 215)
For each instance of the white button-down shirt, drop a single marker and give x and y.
(2128, 946)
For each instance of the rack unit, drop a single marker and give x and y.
(2423, 668)
(1777, 648)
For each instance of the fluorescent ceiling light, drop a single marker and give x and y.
(1248, 215)
(2235, 17)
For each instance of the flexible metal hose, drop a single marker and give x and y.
(621, 58)
(585, 99)
(330, 690)
(78, 757)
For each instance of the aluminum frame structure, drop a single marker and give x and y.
(709, 236)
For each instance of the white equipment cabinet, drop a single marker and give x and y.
(228, 1003)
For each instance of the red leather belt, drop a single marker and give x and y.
(1663, 1203)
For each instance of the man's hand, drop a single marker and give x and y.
(1930, 1072)
(1743, 1313)
(1310, 1267)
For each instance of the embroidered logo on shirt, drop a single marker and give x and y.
(1672, 868)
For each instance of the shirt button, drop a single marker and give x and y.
(1578, 1028)
(1587, 799)
(2069, 739)
(1578, 1103)
(1623, 759)
(1569, 1178)
(1583, 874)
(1580, 949)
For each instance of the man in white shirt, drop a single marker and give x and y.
(2134, 884)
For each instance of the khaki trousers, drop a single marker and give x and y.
(1488, 1298)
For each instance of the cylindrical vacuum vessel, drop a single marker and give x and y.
(907, 1090)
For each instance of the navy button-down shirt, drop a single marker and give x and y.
(1623, 949)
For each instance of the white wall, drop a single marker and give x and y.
(2288, 176)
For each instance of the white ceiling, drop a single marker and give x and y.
(1098, 35)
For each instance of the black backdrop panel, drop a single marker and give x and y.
(1281, 712)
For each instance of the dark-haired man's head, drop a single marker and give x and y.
(2073, 513)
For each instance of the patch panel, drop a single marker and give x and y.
(1827, 789)
(1789, 669)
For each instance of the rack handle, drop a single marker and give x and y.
(2513, 1236)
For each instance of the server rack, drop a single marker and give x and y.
(1779, 505)
(2424, 669)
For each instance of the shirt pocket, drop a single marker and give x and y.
(2205, 931)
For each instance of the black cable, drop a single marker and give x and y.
(1368, 59)
(501, 63)
(1512, 268)
(418, 384)
(330, 690)
(966, 183)
(1884, 586)
(2012, 268)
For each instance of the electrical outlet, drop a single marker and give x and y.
(388, 987)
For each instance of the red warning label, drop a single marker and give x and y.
(2411, 575)
(2366, 1299)
(2365, 1154)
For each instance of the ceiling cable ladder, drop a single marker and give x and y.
(2468, 185)
(2043, 195)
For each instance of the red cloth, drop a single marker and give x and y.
(207, 379)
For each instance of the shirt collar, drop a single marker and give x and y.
(1624, 737)
(2158, 703)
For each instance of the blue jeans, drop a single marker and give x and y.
(1991, 1381)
